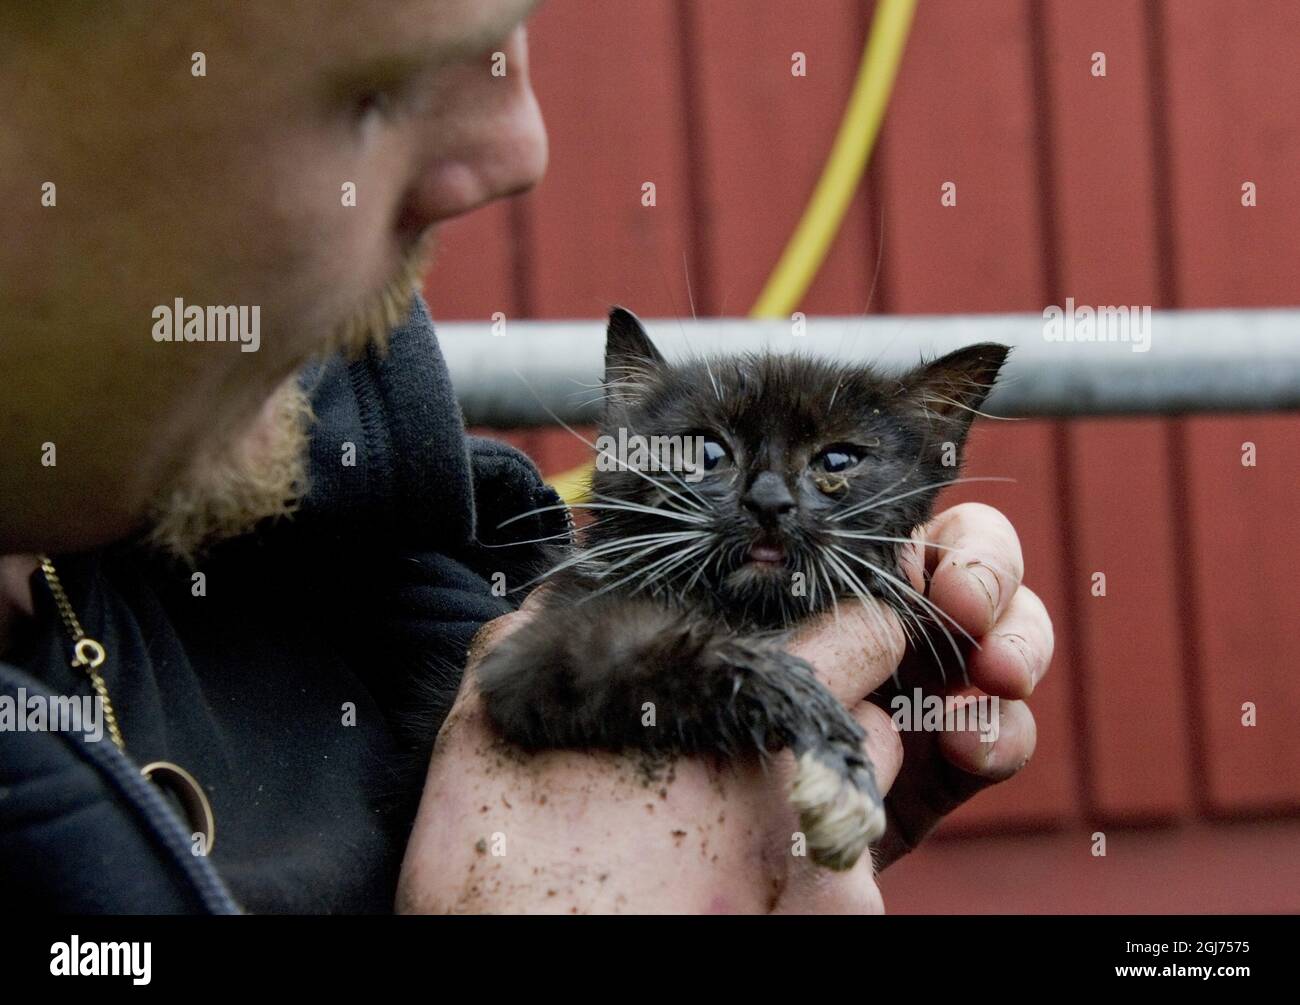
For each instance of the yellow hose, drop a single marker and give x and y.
(806, 250)
(573, 484)
(811, 240)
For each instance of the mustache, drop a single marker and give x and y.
(373, 321)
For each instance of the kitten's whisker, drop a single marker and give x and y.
(882, 604)
(718, 554)
(536, 540)
(645, 570)
(838, 384)
(690, 297)
(705, 505)
(880, 258)
(916, 463)
(863, 507)
(704, 564)
(859, 589)
(604, 572)
(863, 536)
(589, 555)
(657, 483)
(908, 613)
(910, 590)
(531, 512)
(929, 605)
(852, 581)
(855, 535)
(830, 589)
(671, 514)
(623, 464)
(912, 611)
(717, 391)
(932, 396)
(623, 543)
(926, 602)
(662, 575)
(667, 509)
(601, 497)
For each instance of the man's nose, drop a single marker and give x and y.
(768, 497)
(487, 143)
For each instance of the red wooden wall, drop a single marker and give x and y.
(1124, 189)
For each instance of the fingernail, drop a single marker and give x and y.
(988, 582)
(1022, 647)
(987, 748)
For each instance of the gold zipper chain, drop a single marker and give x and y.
(87, 653)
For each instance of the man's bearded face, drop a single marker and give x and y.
(235, 483)
(302, 105)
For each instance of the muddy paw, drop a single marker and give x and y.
(839, 808)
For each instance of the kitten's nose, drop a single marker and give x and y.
(768, 497)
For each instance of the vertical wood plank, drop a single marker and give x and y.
(609, 80)
(1130, 645)
(1244, 546)
(473, 270)
(766, 137)
(1128, 654)
(963, 112)
(1230, 93)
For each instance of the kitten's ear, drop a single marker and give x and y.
(628, 348)
(952, 388)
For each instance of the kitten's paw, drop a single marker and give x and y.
(839, 808)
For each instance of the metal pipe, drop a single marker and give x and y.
(1195, 361)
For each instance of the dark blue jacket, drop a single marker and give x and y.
(367, 600)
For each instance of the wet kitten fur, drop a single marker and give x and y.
(693, 626)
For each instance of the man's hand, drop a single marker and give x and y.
(973, 561)
(583, 832)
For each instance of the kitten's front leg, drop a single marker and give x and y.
(834, 790)
(584, 676)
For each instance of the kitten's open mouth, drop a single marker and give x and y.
(764, 567)
(766, 553)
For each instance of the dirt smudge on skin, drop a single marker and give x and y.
(774, 893)
(656, 769)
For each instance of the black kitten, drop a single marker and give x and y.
(790, 486)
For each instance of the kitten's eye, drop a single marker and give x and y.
(840, 457)
(715, 455)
